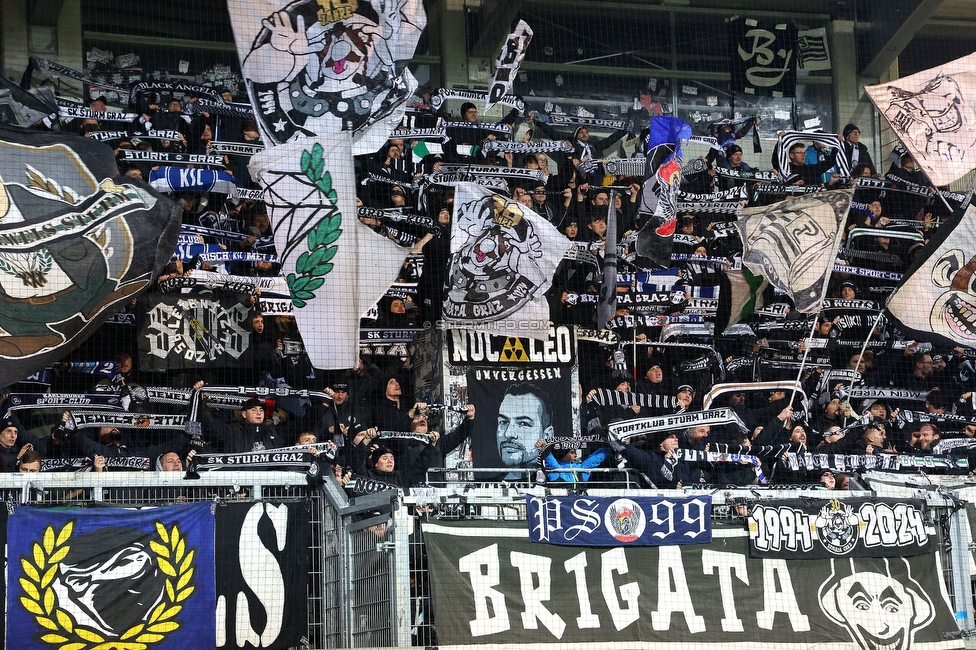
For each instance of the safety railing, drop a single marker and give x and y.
(368, 582)
(598, 477)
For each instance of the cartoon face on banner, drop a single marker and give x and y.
(496, 261)
(323, 66)
(88, 574)
(878, 609)
(943, 280)
(936, 118)
(954, 308)
(933, 114)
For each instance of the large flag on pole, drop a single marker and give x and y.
(323, 66)
(335, 266)
(935, 297)
(659, 203)
(793, 243)
(77, 243)
(933, 113)
(503, 257)
(328, 80)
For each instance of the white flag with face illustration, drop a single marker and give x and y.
(321, 66)
(503, 257)
(335, 266)
(933, 113)
(936, 295)
(794, 243)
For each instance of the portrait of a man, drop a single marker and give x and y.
(523, 418)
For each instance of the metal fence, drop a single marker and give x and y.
(358, 592)
(945, 515)
(368, 581)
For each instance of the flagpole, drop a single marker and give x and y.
(806, 351)
(608, 290)
(864, 347)
(806, 346)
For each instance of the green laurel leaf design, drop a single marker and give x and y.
(313, 166)
(316, 262)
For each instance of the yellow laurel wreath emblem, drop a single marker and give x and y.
(175, 560)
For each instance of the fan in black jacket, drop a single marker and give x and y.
(856, 153)
(250, 434)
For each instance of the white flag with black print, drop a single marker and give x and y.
(812, 50)
(503, 257)
(508, 62)
(335, 266)
(321, 66)
(935, 296)
(933, 113)
(794, 243)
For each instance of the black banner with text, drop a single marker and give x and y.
(490, 585)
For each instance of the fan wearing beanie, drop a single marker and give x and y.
(857, 153)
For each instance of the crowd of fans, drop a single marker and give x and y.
(663, 358)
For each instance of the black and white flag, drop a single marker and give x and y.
(317, 67)
(763, 56)
(935, 296)
(794, 243)
(261, 585)
(508, 62)
(185, 331)
(933, 113)
(503, 257)
(812, 50)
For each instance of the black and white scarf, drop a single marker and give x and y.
(790, 138)
(171, 285)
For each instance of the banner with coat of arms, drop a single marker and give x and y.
(822, 528)
(111, 578)
(640, 521)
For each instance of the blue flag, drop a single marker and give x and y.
(637, 521)
(662, 179)
(81, 578)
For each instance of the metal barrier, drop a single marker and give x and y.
(368, 582)
(358, 590)
(508, 503)
(623, 478)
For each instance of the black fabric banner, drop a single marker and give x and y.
(490, 585)
(3, 574)
(77, 243)
(526, 389)
(826, 528)
(185, 331)
(261, 585)
(763, 56)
